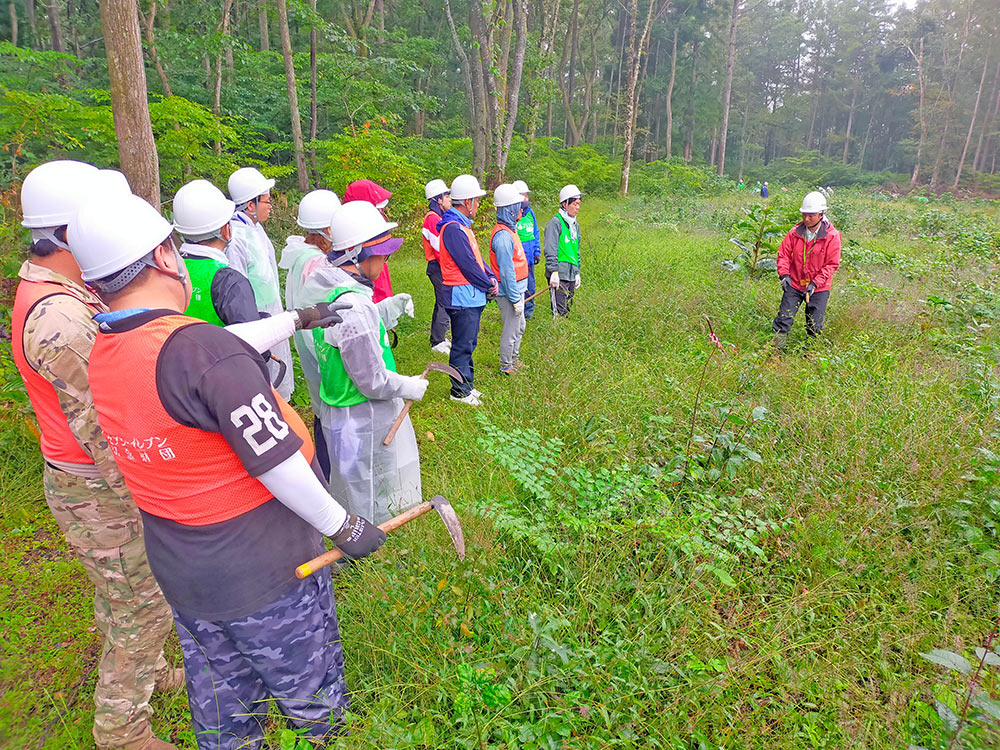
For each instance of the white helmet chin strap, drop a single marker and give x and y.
(47, 233)
(349, 256)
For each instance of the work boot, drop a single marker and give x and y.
(780, 341)
(147, 741)
(169, 680)
(442, 348)
(471, 399)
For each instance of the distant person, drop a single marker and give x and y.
(764, 193)
(562, 250)
(251, 252)
(510, 266)
(807, 259)
(468, 281)
(378, 196)
(438, 201)
(527, 231)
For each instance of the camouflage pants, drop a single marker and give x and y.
(288, 652)
(130, 612)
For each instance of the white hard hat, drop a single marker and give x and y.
(316, 209)
(52, 192)
(813, 203)
(506, 195)
(200, 209)
(568, 192)
(247, 183)
(357, 222)
(464, 187)
(434, 188)
(521, 186)
(111, 180)
(108, 234)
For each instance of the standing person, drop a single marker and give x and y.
(527, 231)
(510, 266)
(219, 467)
(764, 193)
(360, 390)
(438, 201)
(467, 282)
(52, 332)
(301, 257)
(378, 196)
(562, 250)
(807, 259)
(220, 295)
(252, 254)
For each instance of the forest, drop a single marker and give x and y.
(832, 92)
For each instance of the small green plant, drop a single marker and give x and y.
(759, 232)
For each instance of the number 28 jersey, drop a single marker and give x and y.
(155, 426)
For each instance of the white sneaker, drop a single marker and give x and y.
(476, 393)
(471, 399)
(443, 348)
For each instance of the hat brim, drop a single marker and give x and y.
(385, 247)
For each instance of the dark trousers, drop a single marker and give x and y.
(815, 310)
(439, 318)
(464, 337)
(322, 455)
(529, 307)
(564, 297)
(288, 652)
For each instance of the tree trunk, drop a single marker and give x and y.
(637, 50)
(920, 113)
(670, 97)
(743, 133)
(223, 29)
(850, 120)
(147, 24)
(868, 134)
(13, 23)
(519, 8)
(472, 95)
(29, 9)
(987, 122)
(972, 120)
(265, 35)
(293, 96)
(936, 174)
(689, 138)
(55, 26)
(728, 92)
(129, 105)
(313, 103)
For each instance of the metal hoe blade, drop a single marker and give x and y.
(451, 522)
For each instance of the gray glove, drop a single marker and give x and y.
(358, 537)
(323, 315)
(811, 289)
(519, 307)
(786, 283)
(391, 309)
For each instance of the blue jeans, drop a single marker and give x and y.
(288, 652)
(529, 307)
(464, 337)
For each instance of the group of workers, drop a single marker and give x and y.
(186, 485)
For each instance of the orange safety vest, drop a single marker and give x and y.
(57, 440)
(520, 261)
(450, 273)
(176, 472)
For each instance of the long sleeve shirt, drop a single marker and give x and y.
(480, 278)
(503, 248)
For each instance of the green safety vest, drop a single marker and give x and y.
(525, 228)
(336, 387)
(569, 248)
(202, 273)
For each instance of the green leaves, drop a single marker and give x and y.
(949, 659)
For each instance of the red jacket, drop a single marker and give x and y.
(814, 261)
(366, 190)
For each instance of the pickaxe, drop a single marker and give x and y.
(438, 503)
(440, 367)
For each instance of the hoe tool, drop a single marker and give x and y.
(440, 367)
(438, 503)
(539, 293)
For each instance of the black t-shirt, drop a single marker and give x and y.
(206, 378)
(232, 297)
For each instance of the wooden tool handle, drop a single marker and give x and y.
(399, 421)
(539, 293)
(331, 556)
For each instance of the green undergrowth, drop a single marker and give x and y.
(672, 542)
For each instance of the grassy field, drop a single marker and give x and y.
(671, 545)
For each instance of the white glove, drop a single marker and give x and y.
(554, 280)
(391, 309)
(519, 307)
(578, 277)
(413, 388)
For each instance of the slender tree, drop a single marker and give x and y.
(293, 96)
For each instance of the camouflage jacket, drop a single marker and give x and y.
(58, 336)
